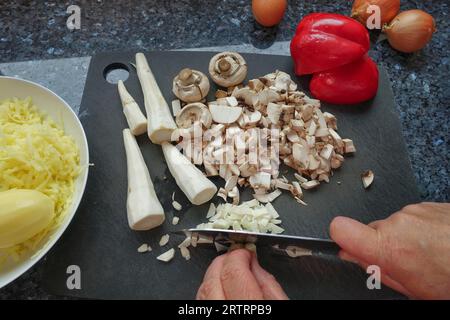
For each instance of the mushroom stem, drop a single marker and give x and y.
(160, 123)
(135, 119)
(224, 65)
(185, 76)
(143, 207)
(197, 188)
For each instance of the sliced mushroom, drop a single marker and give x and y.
(245, 94)
(349, 147)
(176, 107)
(260, 180)
(280, 81)
(310, 184)
(327, 151)
(297, 190)
(234, 194)
(249, 118)
(228, 69)
(274, 112)
(267, 197)
(222, 193)
(192, 113)
(224, 114)
(231, 183)
(221, 94)
(190, 85)
(256, 85)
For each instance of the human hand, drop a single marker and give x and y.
(411, 247)
(237, 275)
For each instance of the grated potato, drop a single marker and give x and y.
(35, 154)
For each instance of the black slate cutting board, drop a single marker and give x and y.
(101, 244)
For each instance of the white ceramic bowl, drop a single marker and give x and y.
(50, 103)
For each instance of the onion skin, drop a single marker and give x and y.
(410, 31)
(388, 10)
(268, 13)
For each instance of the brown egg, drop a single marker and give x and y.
(268, 12)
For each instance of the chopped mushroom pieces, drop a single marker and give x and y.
(176, 107)
(305, 137)
(294, 251)
(211, 211)
(167, 256)
(367, 178)
(186, 242)
(348, 146)
(177, 206)
(143, 248)
(220, 247)
(164, 240)
(185, 253)
(310, 184)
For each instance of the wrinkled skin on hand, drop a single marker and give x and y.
(237, 275)
(411, 247)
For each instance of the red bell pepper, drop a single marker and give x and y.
(326, 40)
(348, 84)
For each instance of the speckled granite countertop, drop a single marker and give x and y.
(32, 30)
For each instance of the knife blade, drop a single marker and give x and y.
(285, 244)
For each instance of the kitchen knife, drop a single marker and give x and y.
(284, 244)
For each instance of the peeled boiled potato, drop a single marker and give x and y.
(269, 12)
(23, 214)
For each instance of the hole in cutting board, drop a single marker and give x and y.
(115, 72)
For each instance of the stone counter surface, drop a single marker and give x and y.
(36, 30)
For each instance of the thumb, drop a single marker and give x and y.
(357, 239)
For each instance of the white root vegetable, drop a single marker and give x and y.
(197, 188)
(143, 207)
(136, 120)
(160, 123)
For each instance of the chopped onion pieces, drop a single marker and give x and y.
(167, 256)
(249, 216)
(164, 240)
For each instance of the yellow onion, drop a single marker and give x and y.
(388, 10)
(410, 31)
